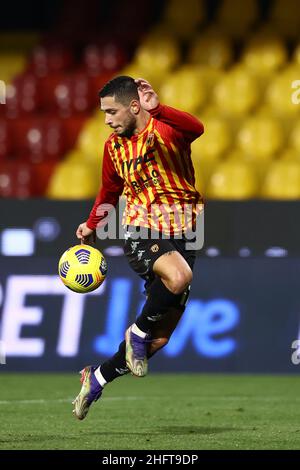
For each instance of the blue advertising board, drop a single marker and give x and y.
(243, 315)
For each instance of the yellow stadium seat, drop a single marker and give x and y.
(260, 137)
(294, 139)
(215, 141)
(77, 156)
(279, 93)
(214, 50)
(11, 65)
(200, 177)
(264, 54)
(282, 180)
(232, 180)
(73, 181)
(296, 55)
(184, 90)
(290, 154)
(237, 94)
(155, 77)
(159, 53)
(92, 137)
(285, 16)
(236, 17)
(18, 41)
(184, 19)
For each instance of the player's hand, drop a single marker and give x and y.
(85, 234)
(148, 98)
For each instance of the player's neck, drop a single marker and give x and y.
(141, 121)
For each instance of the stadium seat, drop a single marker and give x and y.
(67, 95)
(284, 14)
(72, 127)
(54, 59)
(296, 55)
(75, 156)
(279, 93)
(214, 50)
(237, 94)
(11, 64)
(235, 17)
(16, 180)
(73, 181)
(183, 21)
(5, 139)
(155, 77)
(100, 58)
(282, 180)
(260, 137)
(208, 147)
(201, 176)
(38, 139)
(157, 53)
(42, 173)
(184, 90)
(18, 42)
(92, 137)
(264, 55)
(22, 97)
(232, 180)
(294, 138)
(290, 154)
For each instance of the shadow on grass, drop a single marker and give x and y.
(193, 430)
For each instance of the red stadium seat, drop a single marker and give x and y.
(51, 59)
(5, 139)
(42, 173)
(96, 83)
(38, 139)
(16, 180)
(72, 127)
(22, 97)
(107, 57)
(67, 94)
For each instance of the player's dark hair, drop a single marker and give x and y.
(123, 88)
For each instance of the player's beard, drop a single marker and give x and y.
(129, 127)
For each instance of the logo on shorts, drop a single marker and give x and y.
(154, 248)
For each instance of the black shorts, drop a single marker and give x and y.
(143, 252)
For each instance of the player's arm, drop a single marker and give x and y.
(112, 188)
(189, 126)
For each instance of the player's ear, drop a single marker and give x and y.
(135, 106)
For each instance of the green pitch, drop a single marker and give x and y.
(157, 412)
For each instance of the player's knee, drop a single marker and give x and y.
(180, 280)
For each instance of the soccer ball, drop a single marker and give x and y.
(82, 268)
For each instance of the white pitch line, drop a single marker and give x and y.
(42, 401)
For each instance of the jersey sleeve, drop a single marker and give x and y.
(186, 124)
(112, 188)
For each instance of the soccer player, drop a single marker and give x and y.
(147, 157)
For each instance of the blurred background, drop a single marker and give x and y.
(230, 63)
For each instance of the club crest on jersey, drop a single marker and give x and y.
(154, 248)
(150, 140)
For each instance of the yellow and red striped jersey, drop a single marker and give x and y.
(154, 170)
